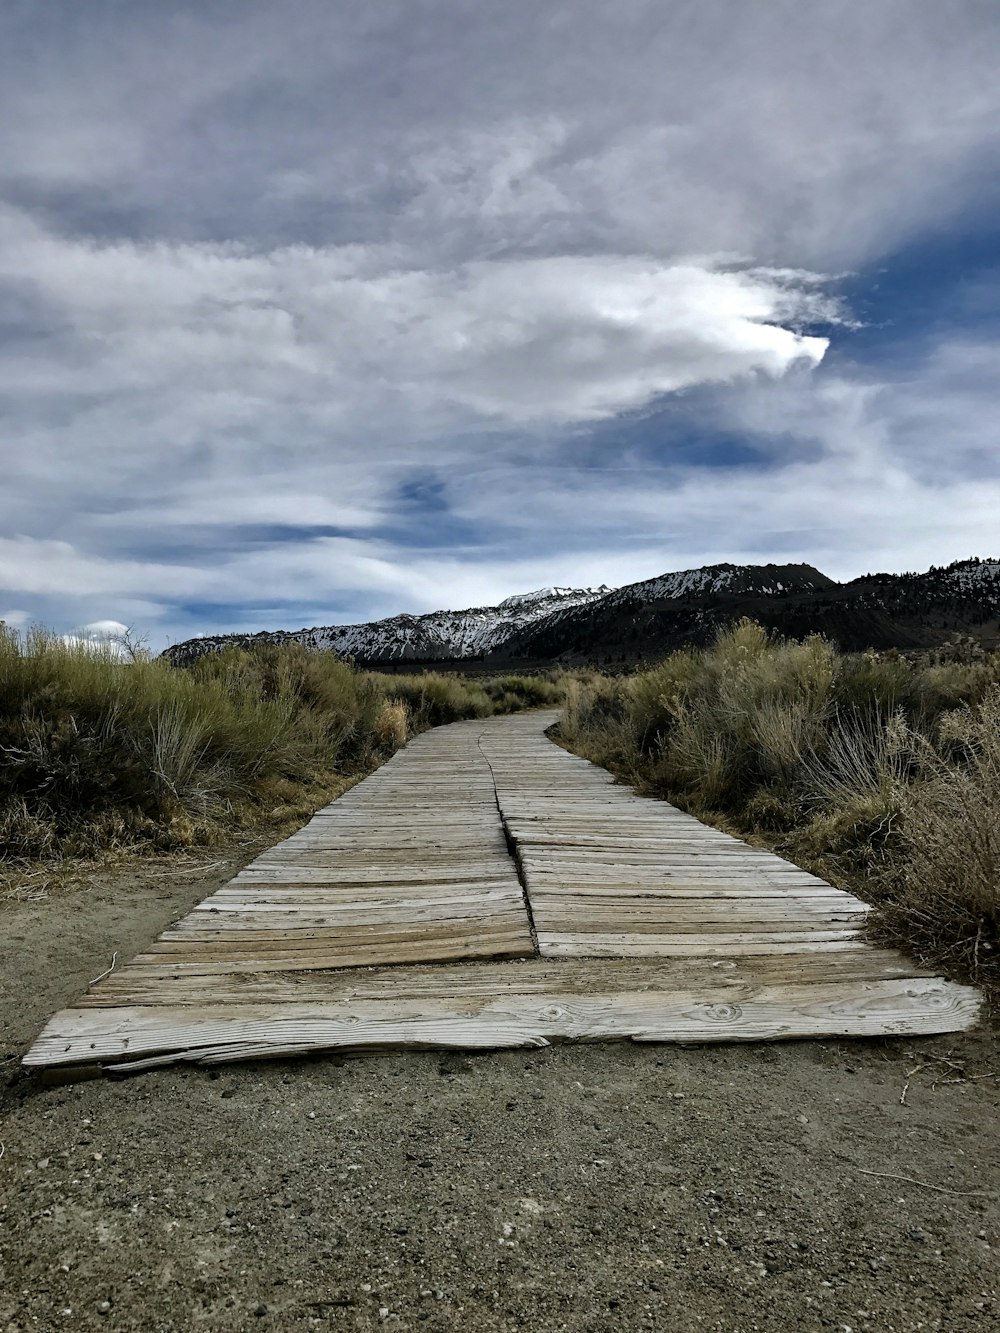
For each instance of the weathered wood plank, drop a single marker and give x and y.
(733, 1014)
(709, 890)
(372, 953)
(524, 976)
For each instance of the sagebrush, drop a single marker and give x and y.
(97, 753)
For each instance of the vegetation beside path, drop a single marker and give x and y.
(100, 755)
(879, 772)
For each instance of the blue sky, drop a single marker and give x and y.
(317, 312)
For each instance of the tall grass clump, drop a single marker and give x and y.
(433, 698)
(97, 753)
(742, 720)
(595, 721)
(711, 726)
(511, 693)
(878, 771)
(946, 901)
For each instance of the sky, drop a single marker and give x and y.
(314, 312)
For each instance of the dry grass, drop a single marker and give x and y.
(391, 724)
(947, 900)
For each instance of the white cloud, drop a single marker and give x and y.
(803, 135)
(232, 334)
(269, 273)
(106, 637)
(104, 629)
(58, 568)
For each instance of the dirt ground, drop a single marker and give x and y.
(588, 1188)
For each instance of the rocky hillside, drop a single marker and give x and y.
(643, 620)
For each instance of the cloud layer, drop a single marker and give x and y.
(421, 304)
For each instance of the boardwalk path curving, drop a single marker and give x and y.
(485, 888)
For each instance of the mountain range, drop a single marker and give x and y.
(644, 620)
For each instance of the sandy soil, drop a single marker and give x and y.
(582, 1188)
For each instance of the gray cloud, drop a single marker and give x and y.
(262, 265)
(792, 133)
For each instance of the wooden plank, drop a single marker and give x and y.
(769, 1013)
(729, 890)
(696, 946)
(523, 976)
(650, 916)
(265, 917)
(332, 900)
(343, 922)
(386, 927)
(361, 876)
(375, 952)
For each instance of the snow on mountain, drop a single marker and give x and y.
(437, 636)
(546, 598)
(974, 575)
(477, 631)
(762, 580)
(447, 634)
(768, 580)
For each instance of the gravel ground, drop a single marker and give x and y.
(601, 1188)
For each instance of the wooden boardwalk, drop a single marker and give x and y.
(381, 923)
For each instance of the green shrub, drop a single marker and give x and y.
(720, 723)
(870, 682)
(433, 698)
(861, 754)
(941, 687)
(511, 694)
(656, 699)
(596, 723)
(97, 753)
(853, 843)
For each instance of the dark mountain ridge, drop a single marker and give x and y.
(647, 619)
(875, 611)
